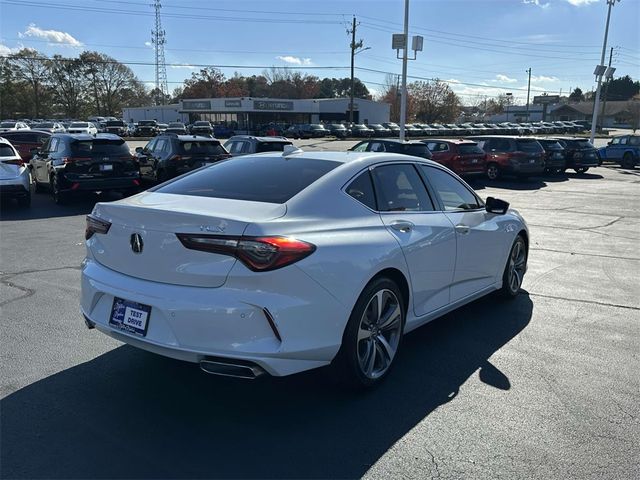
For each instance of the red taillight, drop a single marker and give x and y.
(259, 254)
(96, 225)
(18, 161)
(176, 158)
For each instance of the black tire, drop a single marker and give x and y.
(510, 286)
(582, 169)
(24, 201)
(493, 171)
(627, 161)
(59, 198)
(348, 365)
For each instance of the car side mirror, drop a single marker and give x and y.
(139, 150)
(609, 143)
(495, 205)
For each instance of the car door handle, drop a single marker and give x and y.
(462, 229)
(401, 226)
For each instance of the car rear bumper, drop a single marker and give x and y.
(194, 323)
(99, 184)
(16, 187)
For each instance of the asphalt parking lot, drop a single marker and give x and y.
(545, 386)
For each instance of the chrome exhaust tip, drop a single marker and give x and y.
(228, 369)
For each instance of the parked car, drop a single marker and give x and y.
(275, 264)
(247, 144)
(10, 126)
(202, 128)
(394, 128)
(554, 160)
(337, 130)
(117, 127)
(146, 128)
(392, 145)
(26, 140)
(82, 127)
(506, 155)
(624, 150)
(411, 130)
(15, 180)
(379, 130)
(464, 157)
(579, 154)
(169, 155)
(306, 130)
(361, 131)
(71, 163)
(51, 127)
(162, 127)
(223, 131)
(176, 127)
(582, 125)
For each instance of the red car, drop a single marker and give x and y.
(25, 140)
(518, 156)
(462, 156)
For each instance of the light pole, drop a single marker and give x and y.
(401, 40)
(599, 72)
(356, 47)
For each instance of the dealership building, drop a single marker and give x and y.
(249, 113)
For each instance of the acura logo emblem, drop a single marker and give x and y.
(136, 243)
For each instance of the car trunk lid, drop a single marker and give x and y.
(157, 218)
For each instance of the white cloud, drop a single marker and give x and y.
(503, 78)
(579, 3)
(543, 78)
(537, 3)
(52, 36)
(451, 80)
(189, 67)
(4, 50)
(148, 44)
(294, 60)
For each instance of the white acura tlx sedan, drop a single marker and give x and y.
(287, 261)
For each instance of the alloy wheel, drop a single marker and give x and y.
(492, 172)
(379, 333)
(517, 265)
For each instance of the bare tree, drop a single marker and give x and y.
(31, 67)
(434, 101)
(69, 84)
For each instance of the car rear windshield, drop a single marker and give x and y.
(6, 150)
(176, 125)
(115, 123)
(579, 144)
(202, 124)
(529, 146)
(43, 125)
(202, 147)
(550, 144)
(417, 150)
(7, 124)
(256, 179)
(147, 123)
(100, 146)
(470, 149)
(271, 146)
(79, 125)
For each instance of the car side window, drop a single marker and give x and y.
(160, 146)
(46, 146)
(432, 146)
(615, 141)
(443, 147)
(361, 147)
(376, 147)
(53, 146)
(235, 147)
(246, 147)
(454, 194)
(151, 145)
(623, 140)
(362, 190)
(634, 141)
(399, 188)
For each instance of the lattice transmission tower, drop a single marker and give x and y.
(158, 40)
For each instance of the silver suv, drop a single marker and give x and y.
(245, 144)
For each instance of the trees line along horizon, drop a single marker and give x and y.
(33, 85)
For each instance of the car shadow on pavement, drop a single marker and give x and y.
(132, 414)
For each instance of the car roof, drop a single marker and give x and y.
(514, 137)
(394, 140)
(260, 139)
(349, 156)
(185, 138)
(457, 141)
(86, 136)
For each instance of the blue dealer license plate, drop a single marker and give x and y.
(130, 317)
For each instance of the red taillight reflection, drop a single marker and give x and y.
(95, 225)
(259, 254)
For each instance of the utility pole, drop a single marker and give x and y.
(600, 72)
(606, 88)
(356, 47)
(528, 92)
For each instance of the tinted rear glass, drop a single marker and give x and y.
(271, 146)
(6, 150)
(202, 124)
(79, 125)
(550, 144)
(417, 150)
(147, 123)
(203, 148)
(43, 125)
(8, 124)
(257, 179)
(100, 147)
(470, 149)
(115, 124)
(579, 144)
(529, 146)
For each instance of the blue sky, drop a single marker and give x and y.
(481, 47)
